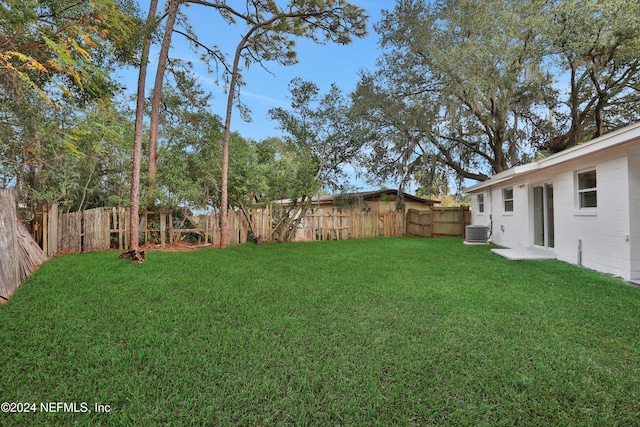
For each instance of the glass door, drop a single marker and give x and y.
(543, 227)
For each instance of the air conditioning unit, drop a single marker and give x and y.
(477, 233)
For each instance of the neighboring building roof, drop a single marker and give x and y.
(612, 139)
(365, 195)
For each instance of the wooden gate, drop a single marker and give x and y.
(438, 222)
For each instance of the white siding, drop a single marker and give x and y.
(602, 232)
(511, 229)
(481, 218)
(507, 227)
(634, 211)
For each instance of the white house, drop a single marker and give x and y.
(581, 205)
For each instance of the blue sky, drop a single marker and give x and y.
(322, 64)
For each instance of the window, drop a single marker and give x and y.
(480, 203)
(587, 193)
(507, 197)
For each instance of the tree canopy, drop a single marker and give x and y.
(471, 88)
(316, 131)
(60, 123)
(594, 45)
(65, 47)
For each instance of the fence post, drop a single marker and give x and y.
(115, 221)
(45, 229)
(163, 226)
(125, 213)
(171, 227)
(127, 227)
(206, 229)
(433, 213)
(52, 230)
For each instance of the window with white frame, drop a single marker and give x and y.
(507, 198)
(587, 190)
(481, 203)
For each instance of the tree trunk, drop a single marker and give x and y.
(598, 110)
(137, 139)
(156, 98)
(290, 224)
(574, 132)
(499, 160)
(224, 184)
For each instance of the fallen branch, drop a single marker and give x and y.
(137, 257)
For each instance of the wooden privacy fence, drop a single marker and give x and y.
(351, 225)
(102, 229)
(72, 232)
(19, 253)
(438, 222)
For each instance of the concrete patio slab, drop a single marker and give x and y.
(525, 253)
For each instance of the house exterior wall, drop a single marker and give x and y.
(595, 238)
(381, 206)
(600, 232)
(634, 211)
(509, 229)
(477, 217)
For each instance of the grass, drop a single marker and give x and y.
(368, 332)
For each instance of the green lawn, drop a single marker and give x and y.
(367, 332)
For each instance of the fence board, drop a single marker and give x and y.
(96, 235)
(70, 232)
(262, 222)
(20, 254)
(9, 264)
(51, 222)
(30, 255)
